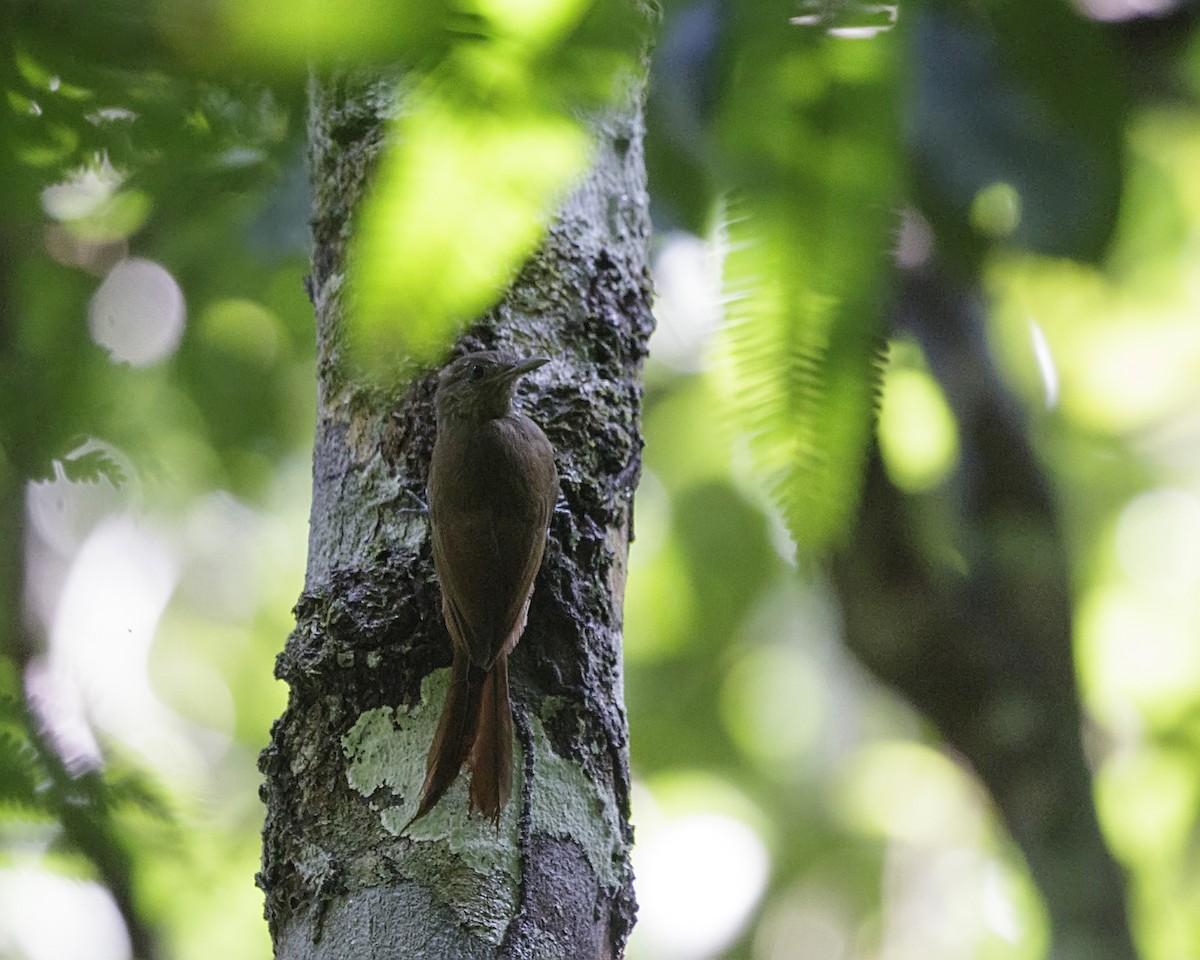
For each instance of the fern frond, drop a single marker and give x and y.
(812, 134)
(802, 362)
(35, 786)
(93, 465)
(22, 780)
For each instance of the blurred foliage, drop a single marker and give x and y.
(493, 137)
(1043, 155)
(790, 128)
(1034, 154)
(1049, 127)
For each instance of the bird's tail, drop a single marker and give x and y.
(491, 752)
(455, 732)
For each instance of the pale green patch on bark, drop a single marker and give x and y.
(386, 749)
(566, 802)
(381, 750)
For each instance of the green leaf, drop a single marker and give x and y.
(457, 205)
(484, 147)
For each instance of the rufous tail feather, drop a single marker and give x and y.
(491, 753)
(455, 733)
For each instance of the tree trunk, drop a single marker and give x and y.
(367, 661)
(983, 644)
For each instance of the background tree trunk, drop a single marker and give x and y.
(982, 644)
(366, 661)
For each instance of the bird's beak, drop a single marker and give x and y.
(525, 366)
(511, 374)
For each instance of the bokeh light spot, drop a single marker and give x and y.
(1147, 804)
(1157, 534)
(1116, 11)
(914, 245)
(1132, 651)
(137, 313)
(108, 613)
(700, 875)
(654, 629)
(805, 924)
(908, 792)
(687, 277)
(33, 907)
(996, 210)
(772, 703)
(946, 902)
(244, 328)
(62, 511)
(918, 436)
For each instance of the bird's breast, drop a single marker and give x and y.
(503, 466)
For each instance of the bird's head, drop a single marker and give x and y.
(479, 386)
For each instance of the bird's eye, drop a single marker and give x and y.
(475, 372)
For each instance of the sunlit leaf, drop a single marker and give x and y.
(51, 144)
(918, 435)
(460, 202)
(533, 21)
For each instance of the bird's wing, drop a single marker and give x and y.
(487, 566)
(487, 557)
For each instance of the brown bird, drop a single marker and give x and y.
(492, 488)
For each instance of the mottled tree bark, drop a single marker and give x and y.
(367, 661)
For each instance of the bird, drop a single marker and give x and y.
(492, 487)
